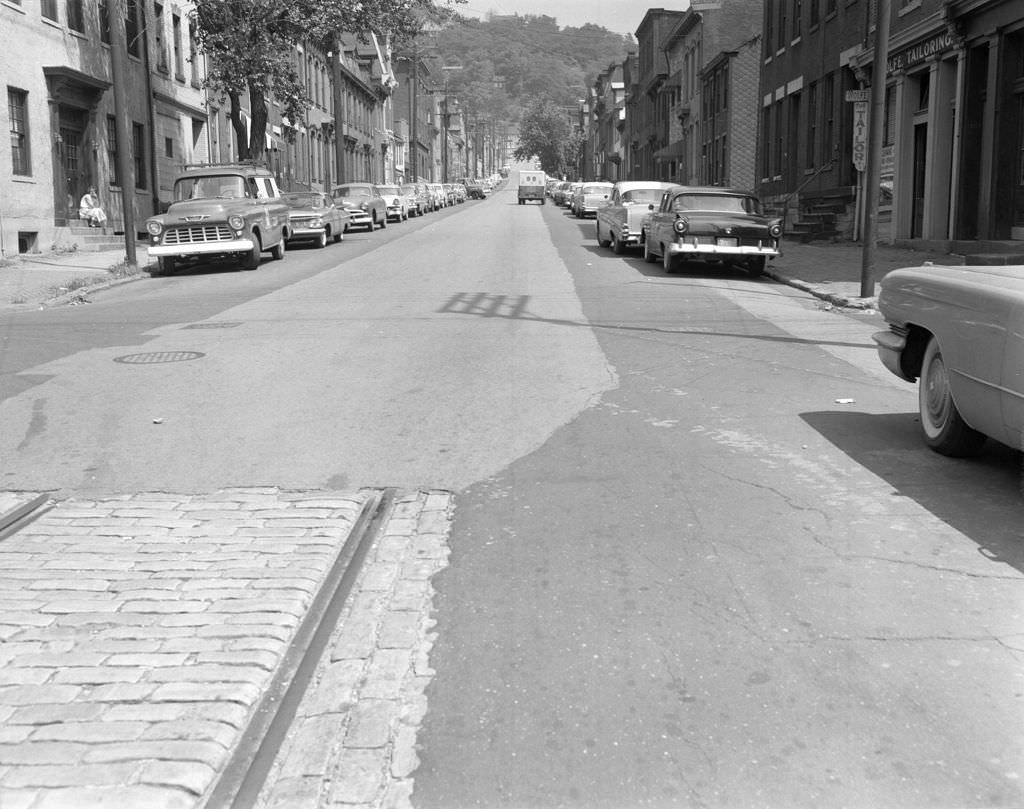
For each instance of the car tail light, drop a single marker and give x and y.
(680, 226)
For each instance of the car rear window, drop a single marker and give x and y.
(351, 191)
(716, 202)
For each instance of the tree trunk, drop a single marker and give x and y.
(258, 133)
(237, 124)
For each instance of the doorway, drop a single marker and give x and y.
(77, 173)
(919, 178)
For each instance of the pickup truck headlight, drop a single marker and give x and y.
(680, 226)
(154, 228)
(236, 222)
(775, 230)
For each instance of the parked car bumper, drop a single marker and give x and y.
(360, 219)
(301, 234)
(890, 347)
(201, 248)
(688, 248)
(395, 212)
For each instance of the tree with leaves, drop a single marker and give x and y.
(251, 48)
(546, 134)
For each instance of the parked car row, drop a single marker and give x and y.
(677, 224)
(236, 211)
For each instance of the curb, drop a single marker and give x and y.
(78, 295)
(847, 302)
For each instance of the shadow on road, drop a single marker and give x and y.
(981, 497)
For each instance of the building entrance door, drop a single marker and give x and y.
(920, 175)
(1017, 223)
(74, 159)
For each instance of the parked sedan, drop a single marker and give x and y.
(588, 197)
(419, 198)
(712, 225)
(396, 202)
(959, 332)
(620, 221)
(364, 203)
(313, 217)
(560, 191)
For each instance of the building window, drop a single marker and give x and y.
(17, 110)
(104, 23)
(115, 177)
(179, 57)
(780, 140)
(169, 147)
(815, 12)
(783, 22)
(76, 17)
(49, 9)
(828, 110)
(139, 154)
(131, 26)
(158, 36)
(193, 56)
(798, 19)
(766, 152)
(830, 7)
(812, 124)
(769, 26)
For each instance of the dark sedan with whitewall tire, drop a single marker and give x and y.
(959, 333)
(712, 225)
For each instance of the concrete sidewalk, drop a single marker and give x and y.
(61, 277)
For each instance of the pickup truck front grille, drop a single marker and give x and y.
(198, 234)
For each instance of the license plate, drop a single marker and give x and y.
(728, 243)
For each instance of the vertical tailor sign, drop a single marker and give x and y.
(860, 134)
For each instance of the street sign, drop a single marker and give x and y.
(858, 95)
(860, 134)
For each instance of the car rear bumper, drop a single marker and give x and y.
(720, 251)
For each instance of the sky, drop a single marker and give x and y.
(621, 16)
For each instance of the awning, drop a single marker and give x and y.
(674, 151)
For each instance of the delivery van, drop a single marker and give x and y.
(531, 186)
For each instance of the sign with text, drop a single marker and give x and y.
(904, 58)
(858, 95)
(860, 135)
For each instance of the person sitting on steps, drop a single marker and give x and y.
(89, 209)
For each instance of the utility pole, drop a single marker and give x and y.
(876, 122)
(125, 168)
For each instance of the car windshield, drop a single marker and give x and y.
(642, 195)
(388, 189)
(304, 200)
(716, 202)
(351, 191)
(224, 186)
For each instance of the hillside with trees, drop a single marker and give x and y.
(511, 62)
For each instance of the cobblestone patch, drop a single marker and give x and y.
(353, 742)
(139, 632)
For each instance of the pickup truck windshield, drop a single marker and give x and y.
(224, 186)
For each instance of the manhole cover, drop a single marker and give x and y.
(159, 356)
(224, 325)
